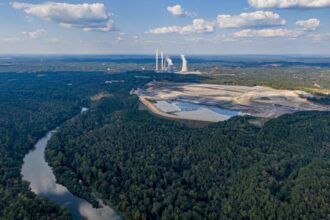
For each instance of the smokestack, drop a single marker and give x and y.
(162, 55)
(184, 64)
(157, 60)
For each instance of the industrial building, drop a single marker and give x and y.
(165, 64)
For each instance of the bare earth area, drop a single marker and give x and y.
(213, 103)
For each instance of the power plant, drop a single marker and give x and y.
(167, 66)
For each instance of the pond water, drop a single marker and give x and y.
(196, 111)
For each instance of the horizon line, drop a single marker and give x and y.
(152, 54)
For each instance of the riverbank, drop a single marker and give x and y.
(43, 182)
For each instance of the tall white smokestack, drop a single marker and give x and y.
(157, 60)
(184, 64)
(162, 55)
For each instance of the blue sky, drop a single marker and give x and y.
(182, 26)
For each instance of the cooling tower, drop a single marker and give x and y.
(184, 64)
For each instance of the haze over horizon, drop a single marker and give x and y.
(200, 27)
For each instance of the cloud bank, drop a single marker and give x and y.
(289, 3)
(308, 25)
(34, 34)
(88, 17)
(198, 26)
(256, 19)
(320, 37)
(253, 19)
(302, 27)
(268, 33)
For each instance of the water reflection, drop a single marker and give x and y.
(196, 111)
(43, 182)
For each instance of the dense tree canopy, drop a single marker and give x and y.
(31, 104)
(29, 107)
(152, 168)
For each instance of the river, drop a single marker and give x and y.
(43, 182)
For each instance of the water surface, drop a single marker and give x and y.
(196, 111)
(43, 182)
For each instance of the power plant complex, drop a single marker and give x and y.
(165, 64)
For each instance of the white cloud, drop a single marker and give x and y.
(136, 39)
(53, 40)
(89, 17)
(215, 39)
(308, 25)
(303, 27)
(118, 40)
(253, 19)
(198, 26)
(289, 3)
(280, 32)
(320, 37)
(34, 34)
(177, 10)
(11, 40)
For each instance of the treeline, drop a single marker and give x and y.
(321, 99)
(151, 168)
(293, 78)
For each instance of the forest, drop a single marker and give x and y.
(151, 168)
(31, 104)
(29, 107)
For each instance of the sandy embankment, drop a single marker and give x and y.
(153, 108)
(257, 101)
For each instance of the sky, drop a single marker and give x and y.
(223, 27)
